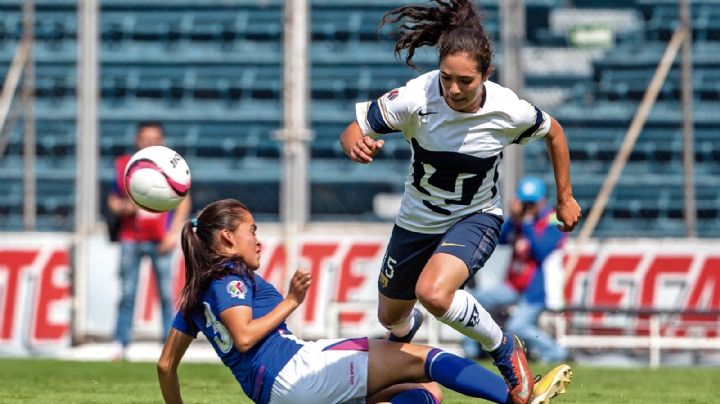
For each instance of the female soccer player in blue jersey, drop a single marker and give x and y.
(457, 123)
(243, 317)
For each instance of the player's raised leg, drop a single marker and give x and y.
(437, 290)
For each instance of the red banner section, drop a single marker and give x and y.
(679, 276)
(34, 295)
(673, 275)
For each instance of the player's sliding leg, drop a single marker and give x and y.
(551, 384)
(393, 363)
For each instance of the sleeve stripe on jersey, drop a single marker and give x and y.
(529, 132)
(383, 110)
(377, 121)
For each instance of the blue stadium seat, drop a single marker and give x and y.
(212, 73)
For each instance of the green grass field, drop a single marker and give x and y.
(50, 381)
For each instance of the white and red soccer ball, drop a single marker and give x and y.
(157, 178)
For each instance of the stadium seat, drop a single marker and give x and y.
(212, 73)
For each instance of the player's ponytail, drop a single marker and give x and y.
(195, 259)
(203, 263)
(452, 25)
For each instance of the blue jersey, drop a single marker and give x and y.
(257, 368)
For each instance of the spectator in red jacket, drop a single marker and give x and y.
(143, 234)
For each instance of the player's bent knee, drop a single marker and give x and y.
(436, 301)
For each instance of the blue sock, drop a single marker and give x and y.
(414, 396)
(465, 376)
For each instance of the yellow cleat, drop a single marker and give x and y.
(551, 384)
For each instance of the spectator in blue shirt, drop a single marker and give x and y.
(532, 234)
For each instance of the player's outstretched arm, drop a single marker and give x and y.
(568, 210)
(175, 346)
(246, 331)
(358, 147)
(182, 212)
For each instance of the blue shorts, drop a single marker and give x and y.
(472, 239)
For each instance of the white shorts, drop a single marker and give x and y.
(324, 371)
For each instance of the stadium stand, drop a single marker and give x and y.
(212, 71)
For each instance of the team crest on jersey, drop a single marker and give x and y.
(392, 94)
(237, 289)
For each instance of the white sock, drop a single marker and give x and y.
(402, 327)
(468, 317)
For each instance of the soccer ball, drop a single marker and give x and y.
(157, 178)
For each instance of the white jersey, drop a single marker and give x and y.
(456, 155)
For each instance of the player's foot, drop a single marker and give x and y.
(417, 322)
(551, 384)
(510, 360)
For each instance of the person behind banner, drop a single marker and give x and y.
(143, 234)
(533, 236)
(457, 123)
(243, 317)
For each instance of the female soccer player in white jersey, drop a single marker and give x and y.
(457, 123)
(243, 317)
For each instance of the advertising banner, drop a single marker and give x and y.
(35, 292)
(35, 285)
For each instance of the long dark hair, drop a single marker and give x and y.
(203, 263)
(452, 25)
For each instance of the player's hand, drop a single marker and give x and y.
(299, 285)
(569, 214)
(166, 244)
(365, 149)
(128, 208)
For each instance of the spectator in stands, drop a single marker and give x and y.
(457, 123)
(532, 233)
(143, 234)
(243, 317)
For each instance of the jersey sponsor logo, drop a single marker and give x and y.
(237, 289)
(421, 113)
(392, 94)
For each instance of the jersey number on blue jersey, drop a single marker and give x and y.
(222, 337)
(447, 167)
